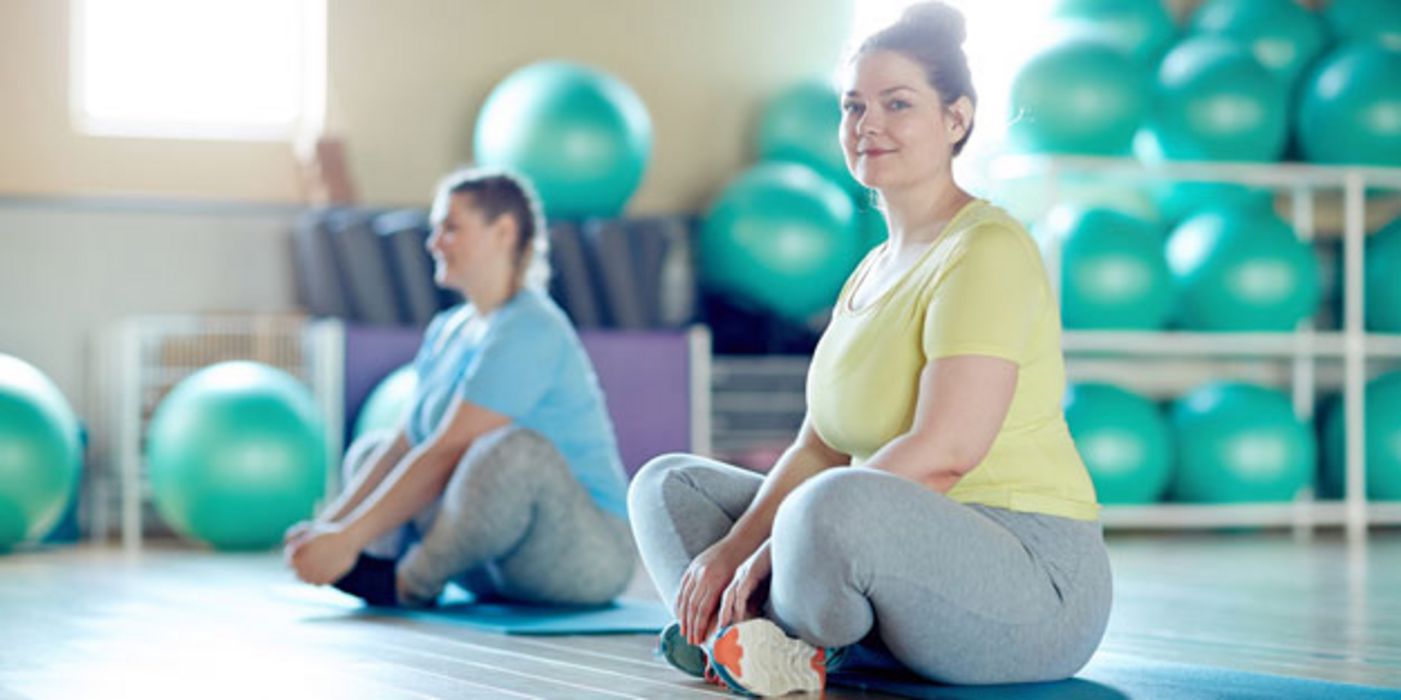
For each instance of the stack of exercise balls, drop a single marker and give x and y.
(782, 236)
(1221, 442)
(582, 136)
(40, 453)
(236, 453)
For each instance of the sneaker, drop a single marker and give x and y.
(756, 657)
(681, 654)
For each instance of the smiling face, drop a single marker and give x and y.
(896, 131)
(465, 245)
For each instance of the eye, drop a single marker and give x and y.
(853, 107)
(897, 104)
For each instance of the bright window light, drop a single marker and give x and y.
(212, 69)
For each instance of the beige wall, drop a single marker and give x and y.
(406, 80)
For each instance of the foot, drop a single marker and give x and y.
(755, 657)
(371, 580)
(686, 657)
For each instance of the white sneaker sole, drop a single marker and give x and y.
(756, 657)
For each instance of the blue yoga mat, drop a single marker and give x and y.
(622, 616)
(1115, 676)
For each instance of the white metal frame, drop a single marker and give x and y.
(1353, 345)
(125, 377)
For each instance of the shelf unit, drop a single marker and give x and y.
(1302, 349)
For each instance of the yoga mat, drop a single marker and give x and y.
(1116, 676)
(622, 616)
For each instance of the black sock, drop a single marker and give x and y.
(371, 580)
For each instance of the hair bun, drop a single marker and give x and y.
(937, 18)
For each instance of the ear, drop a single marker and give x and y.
(505, 229)
(960, 115)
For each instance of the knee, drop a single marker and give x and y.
(647, 484)
(835, 501)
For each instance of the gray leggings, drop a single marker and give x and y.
(513, 521)
(957, 593)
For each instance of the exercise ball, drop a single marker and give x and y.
(1284, 36)
(1382, 287)
(1123, 440)
(582, 136)
(1078, 96)
(1112, 269)
(385, 406)
(1365, 21)
(236, 454)
(1143, 28)
(1382, 440)
(40, 453)
(802, 125)
(1350, 107)
(1241, 269)
(1239, 443)
(781, 237)
(1213, 101)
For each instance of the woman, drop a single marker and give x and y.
(961, 541)
(505, 474)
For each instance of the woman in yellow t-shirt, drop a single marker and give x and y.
(961, 541)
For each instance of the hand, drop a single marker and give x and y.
(322, 554)
(701, 586)
(744, 597)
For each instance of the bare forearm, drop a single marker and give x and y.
(408, 489)
(380, 463)
(793, 468)
(920, 460)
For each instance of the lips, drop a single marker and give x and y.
(874, 152)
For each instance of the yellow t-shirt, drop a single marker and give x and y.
(979, 289)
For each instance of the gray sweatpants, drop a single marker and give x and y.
(957, 593)
(513, 521)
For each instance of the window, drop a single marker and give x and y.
(208, 69)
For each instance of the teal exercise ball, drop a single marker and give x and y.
(582, 136)
(801, 125)
(1114, 274)
(1350, 107)
(40, 452)
(1078, 96)
(1143, 28)
(1213, 101)
(1124, 441)
(1240, 443)
(1283, 35)
(1382, 438)
(236, 453)
(1241, 269)
(1365, 21)
(781, 237)
(385, 406)
(1382, 286)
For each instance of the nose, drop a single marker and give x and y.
(869, 123)
(432, 243)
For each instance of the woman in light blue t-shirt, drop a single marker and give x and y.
(504, 475)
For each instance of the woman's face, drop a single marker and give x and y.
(464, 245)
(895, 129)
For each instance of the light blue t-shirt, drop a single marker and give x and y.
(524, 361)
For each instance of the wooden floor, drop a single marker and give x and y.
(93, 623)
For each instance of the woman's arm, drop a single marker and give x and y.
(379, 463)
(713, 571)
(423, 473)
(961, 405)
(328, 550)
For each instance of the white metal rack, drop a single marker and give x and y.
(1302, 349)
(138, 360)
